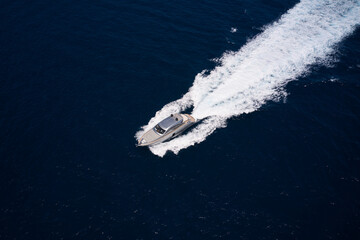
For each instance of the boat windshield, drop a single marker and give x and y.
(159, 129)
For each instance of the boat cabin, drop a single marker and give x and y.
(168, 124)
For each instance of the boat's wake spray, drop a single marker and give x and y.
(306, 35)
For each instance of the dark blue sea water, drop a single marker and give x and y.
(79, 78)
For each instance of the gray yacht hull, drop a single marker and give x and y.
(172, 127)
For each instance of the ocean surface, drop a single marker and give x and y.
(275, 86)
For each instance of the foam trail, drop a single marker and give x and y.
(245, 80)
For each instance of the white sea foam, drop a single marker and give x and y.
(245, 80)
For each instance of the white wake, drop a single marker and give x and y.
(245, 80)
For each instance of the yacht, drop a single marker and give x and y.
(168, 128)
